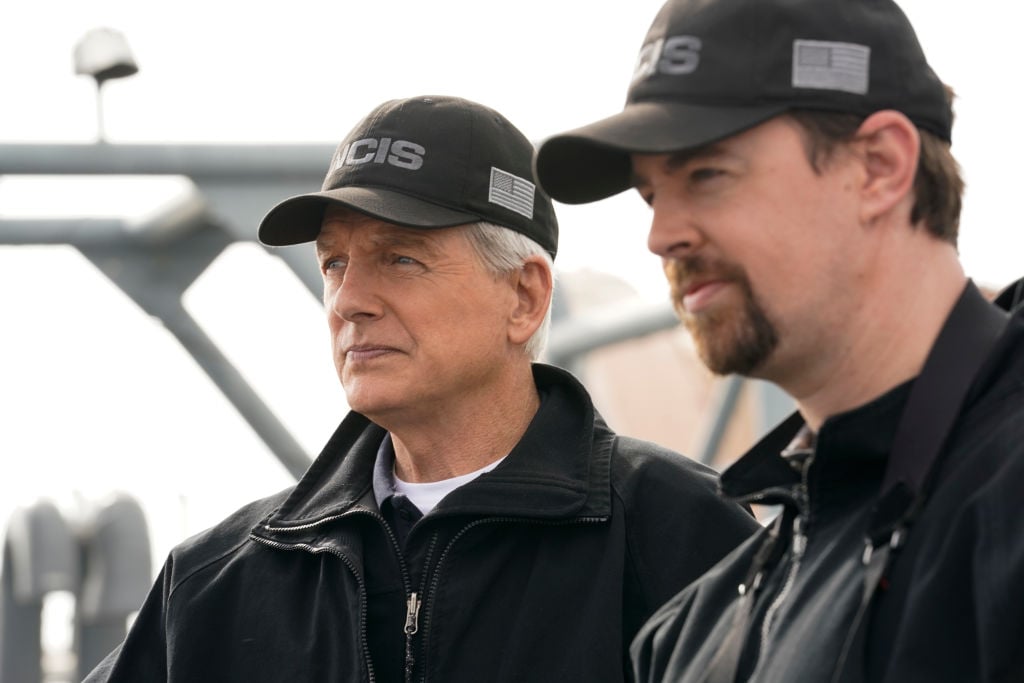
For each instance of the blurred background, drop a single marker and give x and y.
(159, 368)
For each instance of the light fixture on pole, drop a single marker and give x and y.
(103, 53)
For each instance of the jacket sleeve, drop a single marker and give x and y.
(143, 654)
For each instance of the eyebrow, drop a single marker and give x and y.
(406, 238)
(677, 160)
(390, 238)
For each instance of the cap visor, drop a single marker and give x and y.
(593, 162)
(298, 219)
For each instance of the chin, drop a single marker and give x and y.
(362, 401)
(377, 407)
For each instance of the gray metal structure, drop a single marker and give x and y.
(40, 556)
(102, 557)
(155, 263)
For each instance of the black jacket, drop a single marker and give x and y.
(951, 607)
(540, 570)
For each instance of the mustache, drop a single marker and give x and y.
(683, 271)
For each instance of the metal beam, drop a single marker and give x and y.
(232, 384)
(88, 231)
(236, 185)
(231, 162)
(172, 222)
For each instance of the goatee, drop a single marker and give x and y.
(728, 339)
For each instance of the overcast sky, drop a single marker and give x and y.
(94, 396)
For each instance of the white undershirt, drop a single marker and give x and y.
(427, 495)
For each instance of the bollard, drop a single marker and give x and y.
(40, 556)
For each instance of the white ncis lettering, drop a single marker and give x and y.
(675, 56)
(400, 153)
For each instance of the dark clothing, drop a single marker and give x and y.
(401, 515)
(952, 605)
(541, 570)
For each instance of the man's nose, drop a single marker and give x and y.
(357, 297)
(673, 232)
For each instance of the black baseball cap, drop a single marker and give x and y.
(709, 69)
(426, 162)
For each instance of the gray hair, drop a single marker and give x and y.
(501, 251)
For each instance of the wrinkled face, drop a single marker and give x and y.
(759, 249)
(418, 327)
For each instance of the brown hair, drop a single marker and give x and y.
(938, 185)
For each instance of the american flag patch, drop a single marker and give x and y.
(831, 66)
(512, 192)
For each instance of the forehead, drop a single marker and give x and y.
(340, 225)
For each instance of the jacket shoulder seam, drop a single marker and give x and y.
(178, 583)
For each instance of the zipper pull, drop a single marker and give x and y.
(799, 537)
(412, 614)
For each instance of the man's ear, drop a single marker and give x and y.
(889, 147)
(533, 283)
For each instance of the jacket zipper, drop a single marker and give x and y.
(412, 612)
(412, 626)
(798, 547)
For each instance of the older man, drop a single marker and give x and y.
(473, 518)
(796, 158)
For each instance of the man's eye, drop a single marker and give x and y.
(334, 264)
(404, 260)
(702, 174)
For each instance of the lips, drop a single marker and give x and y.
(697, 281)
(700, 295)
(366, 352)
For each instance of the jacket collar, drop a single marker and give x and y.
(559, 470)
(850, 446)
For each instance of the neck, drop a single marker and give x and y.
(886, 337)
(464, 438)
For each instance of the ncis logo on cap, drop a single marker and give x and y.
(400, 153)
(672, 56)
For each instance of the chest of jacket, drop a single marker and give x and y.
(358, 610)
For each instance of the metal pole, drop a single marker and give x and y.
(235, 388)
(100, 132)
(722, 410)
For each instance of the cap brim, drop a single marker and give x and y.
(593, 162)
(298, 219)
